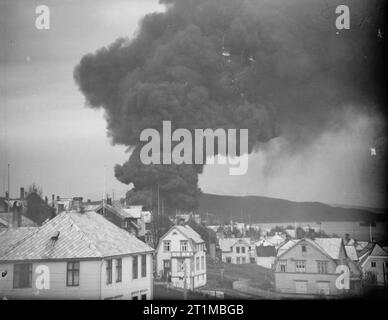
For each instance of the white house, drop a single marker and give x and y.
(181, 254)
(75, 256)
(235, 250)
(374, 259)
(265, 256)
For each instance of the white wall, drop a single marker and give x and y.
(92, 281)
(128, 287)
(88, 284)
(194, 278)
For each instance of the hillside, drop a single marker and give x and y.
(256, 209)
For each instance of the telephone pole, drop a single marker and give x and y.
(8, 196)
(184, 280)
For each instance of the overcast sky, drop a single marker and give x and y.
(49, 137)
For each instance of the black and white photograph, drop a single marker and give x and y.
(214, 150)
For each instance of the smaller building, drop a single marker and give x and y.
(265, 256)
(119, 217)
(374, 263)
(181, 258)
(235, 250)
(309, 267)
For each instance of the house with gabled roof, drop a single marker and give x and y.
(308, 267)
(119, 217)
(235, 250)
(80, 255)
(181, 258)
(373, 259)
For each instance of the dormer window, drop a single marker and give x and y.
(184, 245)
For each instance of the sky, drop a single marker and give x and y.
(49, 137)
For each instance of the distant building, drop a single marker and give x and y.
(235, 250)
(142, 219)
(374, 259)
(181, 257)
(185, 217)
(16, 216)
(309, 267)
(265, 256)
(119, 217)
(80, 255)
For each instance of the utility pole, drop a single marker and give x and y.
(8, 197)
(370, 232)
(184, 280)
(104, 191)
(158, 201)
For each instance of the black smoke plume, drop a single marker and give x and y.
(273, 67)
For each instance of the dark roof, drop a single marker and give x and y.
(266, 251)
(26, 222)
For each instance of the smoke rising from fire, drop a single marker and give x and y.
(276, 68)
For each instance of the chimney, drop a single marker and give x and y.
(52, 199)
(16, 219)
(21, 193)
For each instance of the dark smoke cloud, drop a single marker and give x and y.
(273, 67)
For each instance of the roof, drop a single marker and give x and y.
(266, 251)
(329, 246)
(227, 243)
(133, 212)
(81, 235)
(351, 252)
(26, 222)
(378, 251)
(190, 233)
(118, 211)
(332, 246)
(283, 248)
(11, 237)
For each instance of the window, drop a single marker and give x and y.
(184, 245)
(143, 297)
(22, 275)
(283, 265)
(197, 263)
(228, 260)
(72, 278)
(373, 264)
(237, 249)
(143, 265)
(322, 266)
(300, 266)
(135, 298)
(108, 271)
(242, 249)
(304, 249)
(203, 263)
(119, 269)
(238, 260)
(243, 259)
(166, 245)
(134, 267)
(180, 266)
